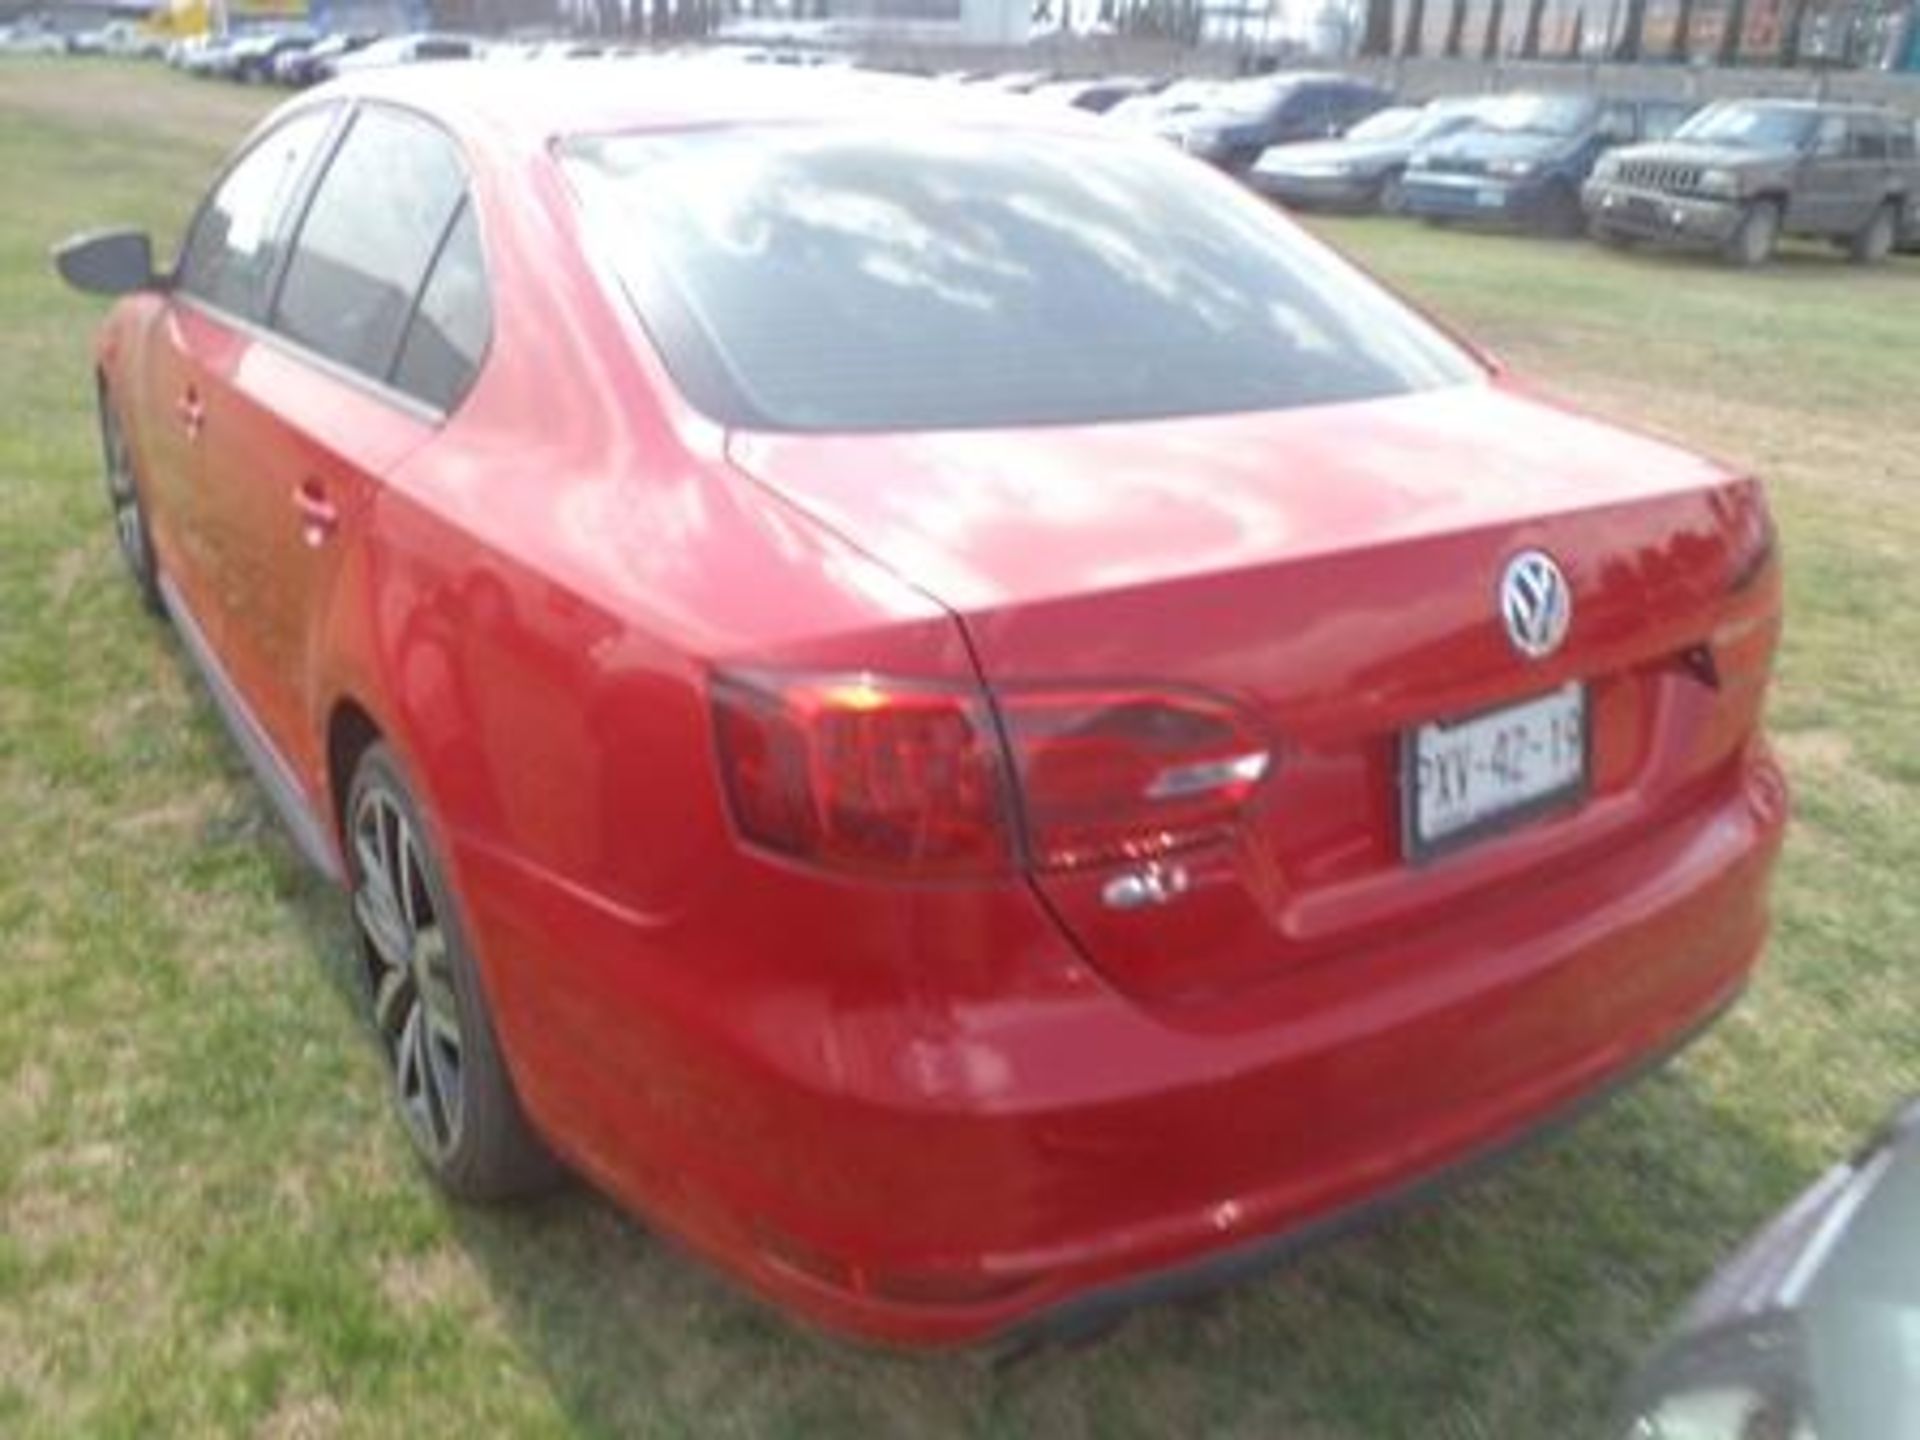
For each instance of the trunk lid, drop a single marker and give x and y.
(1334, 572)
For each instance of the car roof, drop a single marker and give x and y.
(1820, 107)
(537, 102)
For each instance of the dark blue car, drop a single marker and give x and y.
(1237, 120)
(1524, 161)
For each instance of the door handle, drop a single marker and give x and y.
(191, 413)
(319, 516)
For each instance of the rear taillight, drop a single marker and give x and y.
(911, 779)
(853, 773)
(1117, 775)
(1753, 538)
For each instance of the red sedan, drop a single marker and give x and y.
(925, 691)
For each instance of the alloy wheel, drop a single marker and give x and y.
(1875, 242)
(1759, 229)
(416, 1009)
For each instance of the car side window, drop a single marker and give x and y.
(448, 333)
(1616, 124)
(1830, 136)
(1903, 141)
(1866, 138)
(1309, 108)
(1361, 102)
(1658, 122)
(376, 221)
(237, 239)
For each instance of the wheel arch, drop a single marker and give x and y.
(351, 732)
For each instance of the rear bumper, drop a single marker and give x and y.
(1447, 196)
(1651, 215)
(996, 1168)
(1093, 1310)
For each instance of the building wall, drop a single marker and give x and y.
(976, 22)
(1592, 28)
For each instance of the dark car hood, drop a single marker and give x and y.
(1693, 152)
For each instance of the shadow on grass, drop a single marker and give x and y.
(1509, 1302)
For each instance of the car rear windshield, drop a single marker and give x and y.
(828, 278)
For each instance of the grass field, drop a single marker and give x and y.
(212, 1226)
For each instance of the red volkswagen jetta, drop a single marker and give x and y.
(927, 692)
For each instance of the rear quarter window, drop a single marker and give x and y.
(447, 336)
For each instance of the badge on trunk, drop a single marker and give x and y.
(1536, 604)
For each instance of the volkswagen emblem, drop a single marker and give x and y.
(1535, 603)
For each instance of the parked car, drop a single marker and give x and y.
(309, 64)
(32, 40)
(1525, 160)
(1363, 168)
(251, 58)
(1909, 241)
(1006, 738)
(1013, 82)
(117, 37)
(1097, 95)
(209, 58)
(35, 42)
(403, 50)
(1238, 120)
(1152, 109)
(1742, 173)
(89, 41)
(1809, 1333)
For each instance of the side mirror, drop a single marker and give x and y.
(107, 262)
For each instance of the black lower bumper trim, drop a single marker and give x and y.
(1096, 1310)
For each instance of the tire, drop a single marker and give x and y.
(1560, 213)
(128, 508)
(1876, 238)
(449, 1083)
(1391, 199)
(1753, 239)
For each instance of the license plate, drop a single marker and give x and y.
(1490, 199)
(1462, 779)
